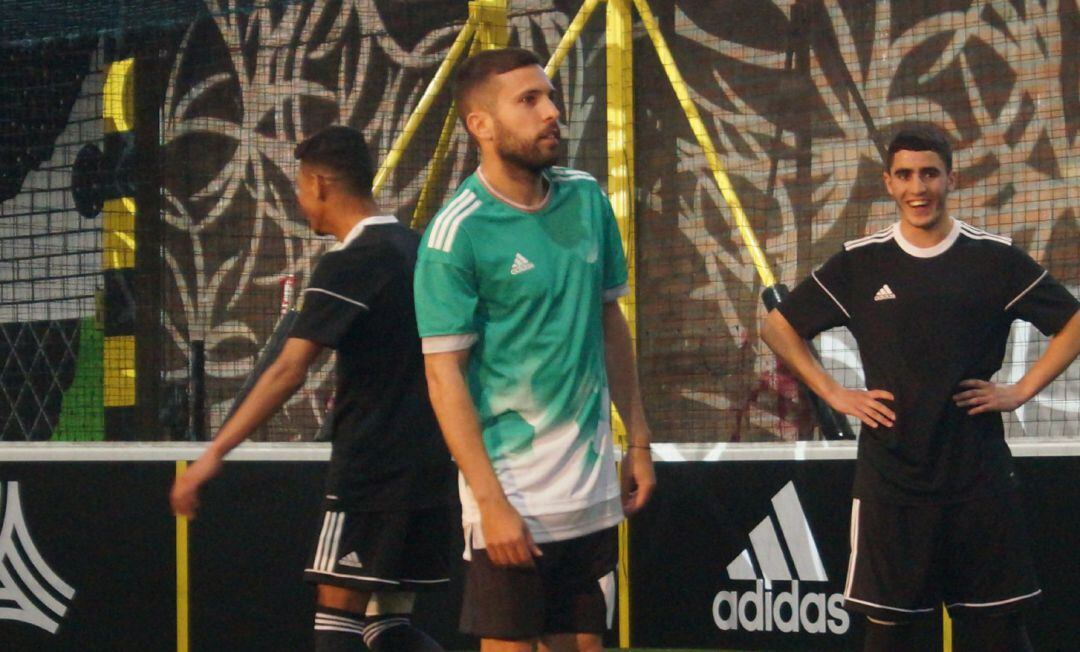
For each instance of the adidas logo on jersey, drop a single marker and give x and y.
(521, 265)
(884, 293)
(762, 609)
(350, 559)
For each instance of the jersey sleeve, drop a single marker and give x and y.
(341, 291)
(820, 301)
(445, 292)
(615, 273)
(1036, 297)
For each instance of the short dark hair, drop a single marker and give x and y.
(483, 65)
(344, 152)
(920, 138)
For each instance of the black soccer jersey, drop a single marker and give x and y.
(925, 319)
(387, 451)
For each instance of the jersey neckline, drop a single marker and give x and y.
(926, 252)
(359, 227)
(496, 195)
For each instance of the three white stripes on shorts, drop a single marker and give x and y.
(329, 539)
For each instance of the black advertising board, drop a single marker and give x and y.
(697, 554)
(88, 554)
(88, 557)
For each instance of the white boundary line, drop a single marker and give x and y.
(320, 452)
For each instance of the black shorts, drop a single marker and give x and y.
(407, 550)
(564, 593)
(906, 560)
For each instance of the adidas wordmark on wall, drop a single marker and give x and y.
(761, 609)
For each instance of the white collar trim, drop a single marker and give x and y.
(355, 232)
(927, 252)
(509, 202)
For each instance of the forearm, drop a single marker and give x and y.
(791, 349)
(622, 375)
(274, 387)
(460, 424)
(1064, 347)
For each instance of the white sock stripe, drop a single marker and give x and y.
(374, 630)
(443, 219)
(340, 620)
(453, 227)
(340, 628)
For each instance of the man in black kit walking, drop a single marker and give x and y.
(387, 518)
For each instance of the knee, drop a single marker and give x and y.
(344, 599)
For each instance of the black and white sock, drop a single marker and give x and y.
(395, 633)
(338, 631)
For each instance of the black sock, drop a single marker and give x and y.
(1005, 633)
(395, 633)
(902, 637)
(338, 631)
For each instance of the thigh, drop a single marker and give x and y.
(576, 602)
(894, 569)
(381, 551)
(989, 569)
(501, 603)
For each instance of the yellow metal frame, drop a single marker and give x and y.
(620, 137)
(182, 605)
(707, 146)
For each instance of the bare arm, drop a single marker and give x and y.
(792, 350)
(638, 477)
(274, 387)
(506, 536)
(983, 396)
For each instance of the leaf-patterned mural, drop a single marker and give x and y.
(800, 96)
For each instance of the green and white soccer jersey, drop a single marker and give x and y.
(525, 290)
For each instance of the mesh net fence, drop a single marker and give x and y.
(107, 306)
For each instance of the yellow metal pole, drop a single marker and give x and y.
(573, 31)
(946, 630)
(491, 23)
(422, 212)
(620, 137)
(182, 638)
(441, 75)
(698, 127)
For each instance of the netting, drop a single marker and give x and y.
(117, 306)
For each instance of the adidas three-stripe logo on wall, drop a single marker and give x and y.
(794, 610)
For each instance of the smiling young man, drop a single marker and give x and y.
(389, 489)
(930, 301)
(516, 288)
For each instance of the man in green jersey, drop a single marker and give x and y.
(516, 291)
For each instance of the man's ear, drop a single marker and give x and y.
(479, 124)
(952, 180)
(322, 187)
